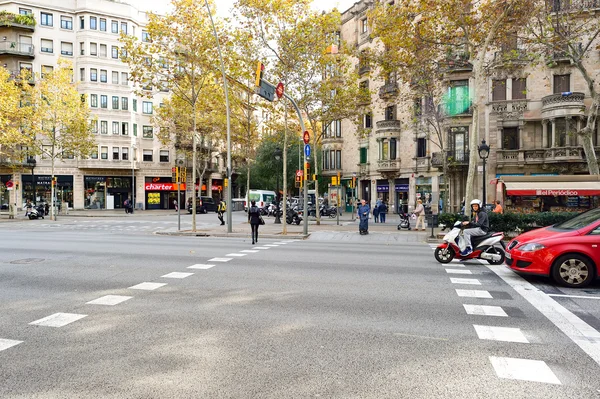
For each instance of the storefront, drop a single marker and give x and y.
(401, 187)
(161, 193)
(531, 194)
(383, 190)
(423, 189)
(4, 193)
(43, 187)
(106, 192)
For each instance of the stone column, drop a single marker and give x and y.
(545, 133)
(553, 122)
(521, 141)
(568, 138)
(392, 195)
(578, 138)
(412, 194)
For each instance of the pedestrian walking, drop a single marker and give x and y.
(498, 208)
(126, 205)
(175, 204)
(420, 214)
(254, 219)
(376, 210)
(363, 214)
(382, 211)
(220, 210)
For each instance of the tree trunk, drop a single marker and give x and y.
(316, 162)
(194, 157)
(586, 137)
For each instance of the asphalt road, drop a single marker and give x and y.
(304, 319)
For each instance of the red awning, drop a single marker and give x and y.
(554, 188)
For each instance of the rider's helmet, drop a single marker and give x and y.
(475, 201)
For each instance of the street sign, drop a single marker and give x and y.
(9, 184)
(279, 90)
(334, 181)
(306, 137)
(307, 150)
(299, 173)
(266, 91)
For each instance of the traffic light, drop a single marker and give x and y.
(182, 175)
(54, 180)
(175, 174)
(260, 68)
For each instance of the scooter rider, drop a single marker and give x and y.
(478, 226)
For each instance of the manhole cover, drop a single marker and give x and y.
(27, 261)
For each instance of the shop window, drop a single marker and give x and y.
(124, 128)
(363, 155)
(164, 156)
(125, 153)
(103, 76)
(115, 128)
(115, 153)
(147, 156)
(47, 46)
(393, 149)
(104, 152)
(147, 107)
(499, 90)
(510, 138)
(519, 89)
(421, 147)
(114, 26)
(368, 121)
(562, 83)
(103, 127)
(102, 25)
(94, 100)
(458, 98)
(147, 132)
(390, 113)
(115, 102)
(46, 19)
(103, 101)
(124, 103)
(66, 22)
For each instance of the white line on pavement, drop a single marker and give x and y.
(177, 275)
(505, 334)
(481, 310)
(8, 343)
(584, 335)
(109, 300)
(58, 319)
(473, 294)
(271, 245)
(220, 259)
(574, 296)
(250, 251)
(469, 281)
(200, 266)
(147, 286)
(236, 255)
(458, 271)
(523, 369)
(261, 247)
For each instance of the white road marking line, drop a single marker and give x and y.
(220, 259)
(523, 369)
(271, 245)
(280, 243)
(236, 255)
(58, 319)
(200, 266)
(469, 281)
(177, 275)
(481, 310)
(506, 334)
(458, 271)
(109, 300)
(261, 248)
(474, 294)
(453, 264)
(8, 343)
(584, 335)
(574, 296)
(147, 286)
(250, 251)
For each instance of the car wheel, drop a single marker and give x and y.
(496, 251)
(444, 255)
(573, 270)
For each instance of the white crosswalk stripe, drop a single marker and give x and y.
(481, 310)
(506, 334)
(468, 281)
(8, 343)
(58, 320)
(473, 294)
(109, 300)
(523, 369)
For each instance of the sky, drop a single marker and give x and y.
(224, 6)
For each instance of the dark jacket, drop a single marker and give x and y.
(383, 208)
(482, 221)
(254, 215)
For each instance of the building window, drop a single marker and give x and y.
(104, 152)
(368, 121)
(25, 11)
(115, 153)
(115, 102)
(393, 149)
(147, 155)
(562, 83)
(93, 74)
(115, 128)
(326, 159)
(124, 129)
(47, 46)
(66, 22)
(364, 25)
(95, 127)
(94, 154)
(364, 155)
(510, 138)
(93, 23)
(148, 132)
(103, 127)
(46, 19)
(82, 74)
(135, 105)
(103, 50)
(147, 107)
(82, 48)
(103, 76)
(94, 100)
(499, 90)
(384, 150)
(338, 159)
(135, 129)
(93, 49)
(124, 27)
(124, 103)
(114, 51)
(103, 101)
(421, 147)
(519, 89)
(458, 99)
(81, 22)
(145, 36)
(164, 156)
(114, 26)
(66, 48)
(390, 113)
(561, 132)
(125, 153)
(124, 78)
(102, 25)
(115, 78)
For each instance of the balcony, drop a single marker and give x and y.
(18, 21)
(542, 156)
(458, 62)
(105, 164)
(17, 48)
(388, 128)
(332, 139)
(454, 159)
(387, 166)
(423, 164)
(388, 90)
(509, 107)
(563, 104)
(364, 169)
(332, 172)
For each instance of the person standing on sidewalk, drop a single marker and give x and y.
(220, 210)
(254, 220)
(382, 211)
(420, 213)
(376, 210)
(363, 214)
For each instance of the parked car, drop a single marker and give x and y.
(203, 205)
(569, 252)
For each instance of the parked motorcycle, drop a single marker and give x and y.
(404, 221)
(35, 212)
(330, 211)
(485, 247)
(293, 216)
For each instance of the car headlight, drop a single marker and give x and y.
(531, 247)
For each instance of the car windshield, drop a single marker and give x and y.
(580, 221)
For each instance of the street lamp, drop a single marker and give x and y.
(277, 155)
(133, 148)
(31, 162)
(484, 153)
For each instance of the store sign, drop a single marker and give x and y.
(402, 188)
(383, 189)
(554, 193)
(163, 186)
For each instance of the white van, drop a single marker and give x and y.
(262, 198)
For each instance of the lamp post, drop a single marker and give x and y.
(277, 155)
(484, 153)
(31, 162)
(133, 148)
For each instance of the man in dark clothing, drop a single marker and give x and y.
(254, 219)
(478, 226)
(363, 214)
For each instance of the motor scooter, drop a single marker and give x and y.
(404, 222)
(489, 247)
(33, 213)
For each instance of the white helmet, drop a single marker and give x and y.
(475, 201)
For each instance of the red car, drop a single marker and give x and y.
(569, 252)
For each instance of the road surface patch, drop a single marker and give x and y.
(58, 319)
(177, 275)
(147, 286)
(506, 334)
(109, 300)
(523, 369)
(8, 343)
(473, 294)
(480, 310)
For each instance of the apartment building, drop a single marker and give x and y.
(86, 32)
(529, 120)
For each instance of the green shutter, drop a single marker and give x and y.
(363, 155)
(135, 129)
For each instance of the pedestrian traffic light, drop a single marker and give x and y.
(260, 68)
(175, 174)
(182, 175)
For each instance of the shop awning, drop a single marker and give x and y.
(553, 188)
